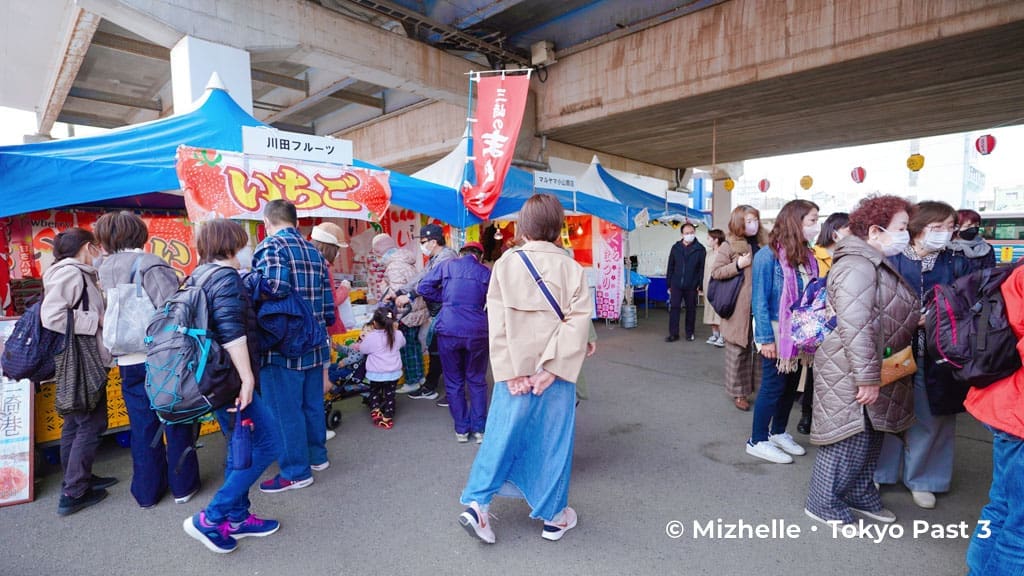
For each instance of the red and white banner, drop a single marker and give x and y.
(230, 185)
(501, 100)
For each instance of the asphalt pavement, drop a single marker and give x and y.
(660, 479)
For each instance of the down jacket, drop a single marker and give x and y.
(399, 270)
(875, 308)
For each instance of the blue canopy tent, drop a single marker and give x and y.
(519, 187)
(637, 199)
(134, 166)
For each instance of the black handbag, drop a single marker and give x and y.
(81, 376)
(722, 294)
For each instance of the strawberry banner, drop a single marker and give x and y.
(230, 185)
(500, 103)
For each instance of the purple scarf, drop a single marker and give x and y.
(787, 350)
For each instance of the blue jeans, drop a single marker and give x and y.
(296, 399)
(1002, 552)
(464, 361)
(231, 502)
(774, 401)
(154, 468)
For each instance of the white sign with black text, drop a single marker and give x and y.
(275, 143)
(553, 181)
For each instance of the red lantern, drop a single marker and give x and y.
(763, 185)
(985, 144)
(858, 174)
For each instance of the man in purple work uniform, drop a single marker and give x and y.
(460, 285)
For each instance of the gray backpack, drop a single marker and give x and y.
(127, 315)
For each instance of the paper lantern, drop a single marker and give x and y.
(985, 144)
(915, 162)
(729, 184)
(806, 182)
(763, 185)
(858, 174)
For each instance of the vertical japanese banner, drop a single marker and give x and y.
(610, 270)
(6, 302)
(500, 103)
(16, 457)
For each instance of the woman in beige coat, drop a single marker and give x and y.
(715, 240)
(71, 282)
(876, 310)
(745, 236)
(536, 357)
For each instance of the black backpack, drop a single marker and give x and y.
(187, 372)
(29, 351)
(967, 331)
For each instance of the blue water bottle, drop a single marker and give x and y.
(241, 443)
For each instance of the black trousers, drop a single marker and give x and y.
(434, 371)
(678, 297)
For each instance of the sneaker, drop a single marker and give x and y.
(442, 402)
(424, 394)
(786, 442)
(814, 516)
(279, 484)
(184, 499)
(69, 505)
(711, 340)
(478, 437)
(765, 450)
(923, 499)
(884, 515)
(462, 438)
(407, 388)
(330, 434)
(321, 467)
(101, 482)
(477, 523)
(719, 342)
(690, 338)
(253, 526)
(562, 523)
(386, 423)
(216, 537)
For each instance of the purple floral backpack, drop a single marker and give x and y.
(811, 317)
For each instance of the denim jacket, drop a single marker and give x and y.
(767, 293)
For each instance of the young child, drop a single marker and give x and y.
(382, 346)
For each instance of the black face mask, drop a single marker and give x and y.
(969, 233)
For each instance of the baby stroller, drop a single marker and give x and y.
(349, 381)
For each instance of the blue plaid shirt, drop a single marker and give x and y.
(288, 262)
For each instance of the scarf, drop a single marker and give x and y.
(971, 248)
(789, 356)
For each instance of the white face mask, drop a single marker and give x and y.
(425, 248)
(936, 240)
(898, 242)
(752, 228)
(689, 238)
(245, 258)
(811, 232)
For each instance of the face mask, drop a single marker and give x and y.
(935, 241)
(245, 258)
(898, 242)
(969, 233)
(425, 248)
(811, 232)
(689, 238)
(752, 228)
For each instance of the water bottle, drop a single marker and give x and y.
(241, 443)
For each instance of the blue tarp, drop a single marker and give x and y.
(636, 199)
(124, 167)
(519, 187)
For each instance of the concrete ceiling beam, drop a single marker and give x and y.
(311, 100)
(109, 98)
(325, 39)
(82, 27)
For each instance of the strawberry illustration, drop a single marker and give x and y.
(374, 195)
(200, 172)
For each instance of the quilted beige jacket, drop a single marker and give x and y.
(875, 308)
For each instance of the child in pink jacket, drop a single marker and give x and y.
(382, 346)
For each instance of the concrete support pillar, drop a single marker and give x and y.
(193, 62)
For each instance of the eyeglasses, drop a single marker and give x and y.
(939, 227)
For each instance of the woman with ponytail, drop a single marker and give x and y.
(382, 346)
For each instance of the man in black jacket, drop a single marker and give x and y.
(685, 275)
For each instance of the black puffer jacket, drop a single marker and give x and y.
(231, 311)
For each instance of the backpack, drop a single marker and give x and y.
(29, 351)
(812, 318)
(967, 330)
(128, 311)
(187, 372)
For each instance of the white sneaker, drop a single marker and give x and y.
(477, 523)
(765, 450)
(321, 467)
(884, 515)
(478, 437)
(331, 434)
(711, 340)
(561, 524)
(720, 341)
(462, 438)
(407, 387)
(923, 499)
(786, 442)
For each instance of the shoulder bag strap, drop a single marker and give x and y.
(540, 283)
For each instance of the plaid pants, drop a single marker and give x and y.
(843, 477)
(412, 355)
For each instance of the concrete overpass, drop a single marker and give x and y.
(643, 84)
